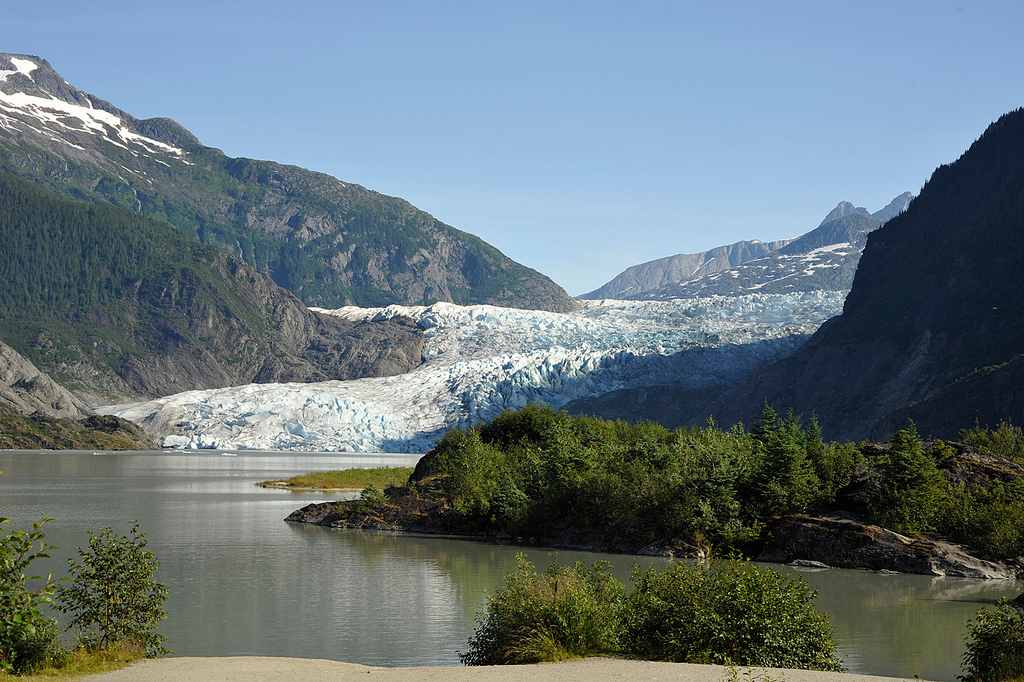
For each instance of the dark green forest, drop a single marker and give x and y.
(544, 477)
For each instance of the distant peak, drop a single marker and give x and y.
(843, 209)
(894, 207)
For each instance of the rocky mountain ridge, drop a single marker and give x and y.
(823, 259)
(330, 242)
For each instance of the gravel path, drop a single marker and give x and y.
(258, 669)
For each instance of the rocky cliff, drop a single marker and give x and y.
(26, 390)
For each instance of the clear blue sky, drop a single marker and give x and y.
(580, 137)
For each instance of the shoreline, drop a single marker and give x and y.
(324, 514)
(258, 668)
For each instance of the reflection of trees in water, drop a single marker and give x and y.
(889, 623)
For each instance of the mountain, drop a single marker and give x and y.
(330, 242)
(637, 281)
(823, 259)
(933, 327)
(26, 390)
(116, 306)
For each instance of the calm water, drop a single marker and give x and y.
(244, 582)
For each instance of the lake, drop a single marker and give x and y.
(242, 581)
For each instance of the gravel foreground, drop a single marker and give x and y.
(258, 668)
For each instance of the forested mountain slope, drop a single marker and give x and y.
(330, 242)
(114, 305)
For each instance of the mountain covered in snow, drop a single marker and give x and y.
(330, 242)
(480, 360)
(823, 259)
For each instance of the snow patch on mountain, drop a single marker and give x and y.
(53, 113)
(23, 66)
(480, 360)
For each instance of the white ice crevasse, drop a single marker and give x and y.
(480, 360)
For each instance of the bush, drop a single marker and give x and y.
(732, 614)
(28, 639)
(114, 598)
(995, 645)
(565, 612)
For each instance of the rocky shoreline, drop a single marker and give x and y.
(800, 540)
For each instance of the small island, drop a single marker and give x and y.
(344, 480)
(776, 493)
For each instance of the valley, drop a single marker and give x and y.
(481, 360)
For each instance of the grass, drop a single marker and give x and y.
(84, 662)
(345, 479)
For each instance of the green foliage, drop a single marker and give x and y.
(113, 597)
(995, 646)
(908, 488)
(786, 481)
(564, 612)
(28, 639)
(542, 474)
(731, 614)
(545, 477)
(1005, 440)
(989, 517)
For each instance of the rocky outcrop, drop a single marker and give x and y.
(846, 543)
(330, 242)
(25, 390)
(98, 432)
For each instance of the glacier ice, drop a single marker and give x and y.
(480, 360)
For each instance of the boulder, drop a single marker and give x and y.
(846, 543)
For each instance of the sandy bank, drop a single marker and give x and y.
(256, 668)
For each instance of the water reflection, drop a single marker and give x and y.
(244, 582)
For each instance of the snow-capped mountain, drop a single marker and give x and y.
(328, 241)
(480, 360)
(823, 259)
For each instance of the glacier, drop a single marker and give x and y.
(479, 360)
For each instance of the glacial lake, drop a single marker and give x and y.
(242, 581)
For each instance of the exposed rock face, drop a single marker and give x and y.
(643, 279)
(25, 390)
(331, 242)
(823, 259)
(845, 543)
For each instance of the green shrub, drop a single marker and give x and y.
(113, 597)
(731, 614)
(995, 645)
(28, 639)
(564, 612)
(1005, 440)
